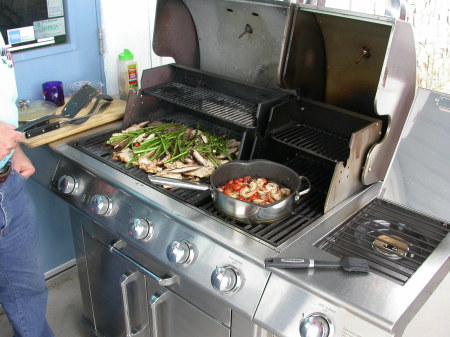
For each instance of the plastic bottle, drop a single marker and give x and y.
(127, 73)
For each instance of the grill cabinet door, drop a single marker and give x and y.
(172, 316)
(118, 293)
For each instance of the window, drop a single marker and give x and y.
(28, 24)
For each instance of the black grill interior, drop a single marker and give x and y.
(395, 240)
(306, 136)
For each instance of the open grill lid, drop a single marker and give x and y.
(419, 173)
(362, 63)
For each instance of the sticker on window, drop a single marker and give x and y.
(55, 8)
(49, 28)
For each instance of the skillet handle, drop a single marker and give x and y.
(178, 183)
(299, 194)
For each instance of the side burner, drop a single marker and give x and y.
(394, 239)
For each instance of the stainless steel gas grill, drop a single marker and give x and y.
(325, 93)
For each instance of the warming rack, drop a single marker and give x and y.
(314, 141)
(206, 101)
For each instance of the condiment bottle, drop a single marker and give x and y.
(127, 73)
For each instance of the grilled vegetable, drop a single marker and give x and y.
(173, 149)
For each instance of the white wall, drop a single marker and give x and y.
(128, 24)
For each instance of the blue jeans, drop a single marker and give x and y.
(23, 293)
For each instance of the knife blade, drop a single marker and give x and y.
(56, 125)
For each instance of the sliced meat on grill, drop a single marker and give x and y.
(148, 165)
(202, 172)
(125, 155)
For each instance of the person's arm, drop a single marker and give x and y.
(22, 164)
(9, 138)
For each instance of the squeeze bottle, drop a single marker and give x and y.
(127, 73)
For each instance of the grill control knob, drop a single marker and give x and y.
(100, 204)
(67, 185)
(226, 279)
(180, 252)
(140, 229)
(315, 325)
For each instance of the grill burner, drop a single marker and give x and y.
(395, 240)
(393, 246)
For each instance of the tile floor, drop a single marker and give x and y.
(64, 311)
(64, 308)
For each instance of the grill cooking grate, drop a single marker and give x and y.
(206, 101)
(96, 146)
(310, 206)
(275, 233)
(395, 240)
(309, 209)
(315, 141)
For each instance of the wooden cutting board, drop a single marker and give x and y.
(113, 112)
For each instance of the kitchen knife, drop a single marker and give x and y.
(56, 125)
(77, 102)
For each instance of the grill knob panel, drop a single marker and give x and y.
(180, 252)
(67, 185)
(140, 229)
(100, 204)
(226, 279)
(315, 325)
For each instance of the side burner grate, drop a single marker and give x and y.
(395, 240)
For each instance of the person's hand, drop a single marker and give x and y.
(9, 138)
(22, 164)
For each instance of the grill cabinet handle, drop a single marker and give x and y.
(164, 282)
(126, 279)
(155, 301)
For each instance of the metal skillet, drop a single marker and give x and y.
(246, 211)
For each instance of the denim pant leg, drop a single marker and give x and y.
(23, 293)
